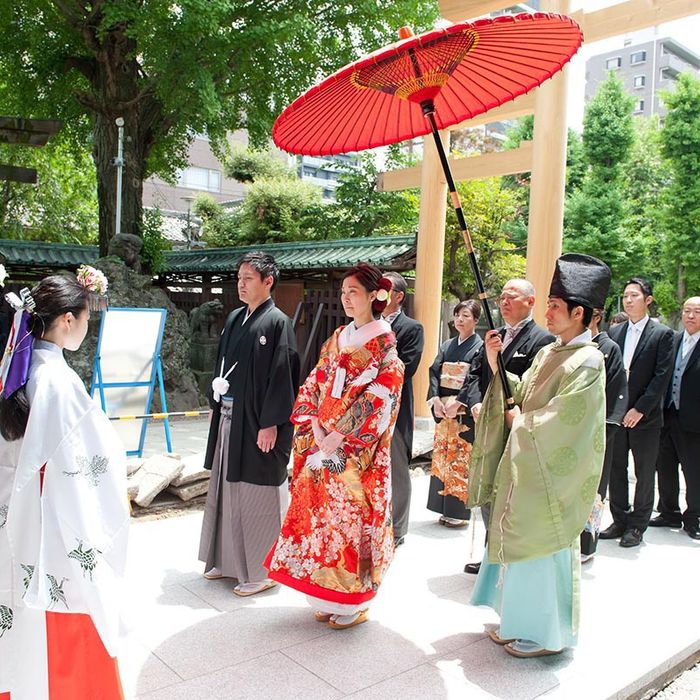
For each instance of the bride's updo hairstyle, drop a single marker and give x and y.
(371, 278)
(53, 296)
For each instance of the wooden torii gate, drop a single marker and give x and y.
(25, 132)
(544, 157)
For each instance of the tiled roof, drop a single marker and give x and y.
(40, 254)
(298, 255)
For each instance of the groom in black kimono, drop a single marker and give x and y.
(256, 379)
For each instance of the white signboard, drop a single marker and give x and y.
(127, 365)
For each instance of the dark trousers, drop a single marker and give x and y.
(400, 485)
(589, 540)
(644, 444)
(682, 447)
(611, 430)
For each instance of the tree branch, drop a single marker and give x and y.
(148, 91)
(89, 102)
(73, 12)
(85, 66)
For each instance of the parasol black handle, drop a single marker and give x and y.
(429, 113)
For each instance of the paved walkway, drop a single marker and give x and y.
(192, 638)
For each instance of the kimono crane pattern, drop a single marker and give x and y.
(337, 540)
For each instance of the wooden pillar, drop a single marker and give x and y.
(545, 226)
(429, 261)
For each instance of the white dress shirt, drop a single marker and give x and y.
(512, 331)
(634, 333)
(689, 342)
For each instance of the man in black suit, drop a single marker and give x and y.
(409, 344)
(522, 340)
(680, 436)
(647, 354)
(615, 409)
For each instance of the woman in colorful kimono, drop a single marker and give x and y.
(63, 509)
(336, 542)
(454, 433)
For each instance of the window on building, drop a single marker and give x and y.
(638, 57)
(640, 81)
(639, 106)
(200, 179)
(613, 63)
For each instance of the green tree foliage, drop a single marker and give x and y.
(680, 140)
(219, 225)
(248, 165)
(643, 181)
(488, 209)
(523, 130)
(361, 209)
(595, 211)
(279, 210)
(171, 70)
(154, 244)
(62, 206)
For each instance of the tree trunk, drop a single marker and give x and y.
(119, 91)
(104, 152)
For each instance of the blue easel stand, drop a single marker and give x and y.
(156, 374)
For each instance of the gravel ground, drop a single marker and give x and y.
(685, 687)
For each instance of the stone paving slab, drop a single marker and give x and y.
(193, 638)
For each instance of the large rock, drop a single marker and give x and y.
(193, 471)
(154, 476)
(127, 288)
(190, 491)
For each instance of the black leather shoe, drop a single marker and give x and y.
(472, 568)
(693, 531)
(660, 521)
(398, 541)
(631, 538)
(612, 532)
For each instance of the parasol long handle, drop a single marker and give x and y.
(429, 113)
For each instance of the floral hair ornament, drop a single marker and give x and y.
(384, 293)
(95, 282)
(14, 368)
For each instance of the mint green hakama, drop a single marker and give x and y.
(536, 599)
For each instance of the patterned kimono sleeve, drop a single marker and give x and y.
(374, 410)
(309, 396)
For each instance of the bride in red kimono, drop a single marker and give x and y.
(337, 542)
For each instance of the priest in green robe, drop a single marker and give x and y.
(539, 464)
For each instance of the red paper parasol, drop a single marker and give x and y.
(426, 83)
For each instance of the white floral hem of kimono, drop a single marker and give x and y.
(332, 608)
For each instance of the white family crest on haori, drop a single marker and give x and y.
(65, 540)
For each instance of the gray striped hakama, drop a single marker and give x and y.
(241, 521)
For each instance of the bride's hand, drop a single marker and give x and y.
(331, 442)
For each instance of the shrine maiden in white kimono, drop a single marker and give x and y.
(63, 535)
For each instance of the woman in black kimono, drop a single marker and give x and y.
(454, 432)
